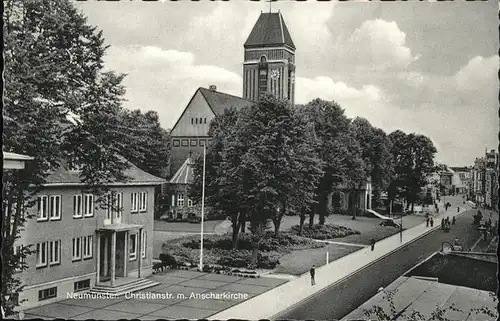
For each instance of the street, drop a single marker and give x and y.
(340, 299)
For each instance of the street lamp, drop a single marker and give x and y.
(202, 207)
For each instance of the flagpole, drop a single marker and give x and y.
(202, 208)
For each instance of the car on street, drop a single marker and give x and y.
(389, 222)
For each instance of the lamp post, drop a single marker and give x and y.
(202, 207)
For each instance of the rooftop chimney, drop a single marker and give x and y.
(213, 87)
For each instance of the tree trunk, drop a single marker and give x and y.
(329, 202)
(354, 204)
(277, 218)
(277, 224)
(322, 210)
(301, 223)
(243, 223)
(311, 219)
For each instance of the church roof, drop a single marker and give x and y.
(184, 174)
(135, 175)
(269, 30)
(219, 102)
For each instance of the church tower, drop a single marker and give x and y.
(269, 62)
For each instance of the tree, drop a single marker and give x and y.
(329, 122)
(144, 142)
(413, 157)
(53, 70)
(221, 189)
(259, 158)
(376, 154)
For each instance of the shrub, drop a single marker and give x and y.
(167, 259)
(324, 232)
(237, 259)
(268, 260)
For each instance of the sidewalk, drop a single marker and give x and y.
(287, 295)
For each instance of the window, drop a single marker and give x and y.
(143, 244)
(205, 120)
(196, 121)
(77, 206)
(134, 202)
(192, 121)
(43, 208)
(185, 142)
(180, 200)
(190, 202)
(88, 205)
(200, 120)
(193, 142)
(202, 142)
(77, 254)
(55, 207)
(176, 143)
(41, 254)
(87, 246)
(143, 201)
(133, 247)
(118, 205)
(82, 285)
(55, 252)
(47, 294)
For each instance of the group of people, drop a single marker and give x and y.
(446, 224)
(429, 220)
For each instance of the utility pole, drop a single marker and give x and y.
(202, 208)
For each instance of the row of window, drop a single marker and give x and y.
(50, 293)
(189, 142)
(82, 248)
(180, 201)
(50, 207)
(48, 253)
(196, 121)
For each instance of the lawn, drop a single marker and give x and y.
(300, 261)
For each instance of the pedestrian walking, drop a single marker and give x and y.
(453, 221)
(432, 222)
(427, 222)
(443, 222)
(458, 209)
(373, 243)
(313, 272)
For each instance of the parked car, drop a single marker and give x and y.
(389, 222)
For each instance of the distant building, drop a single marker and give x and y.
(80, 246)
(484, 180)
(181, 204)
(461, 179)
(15, 161)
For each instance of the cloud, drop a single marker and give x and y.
(479, 73)
(164, 79)
(378, 44)
(327, 89)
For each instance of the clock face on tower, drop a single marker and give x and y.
(275, 74)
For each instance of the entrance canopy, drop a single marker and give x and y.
(120, 227)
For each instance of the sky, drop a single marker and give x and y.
(422, 67)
